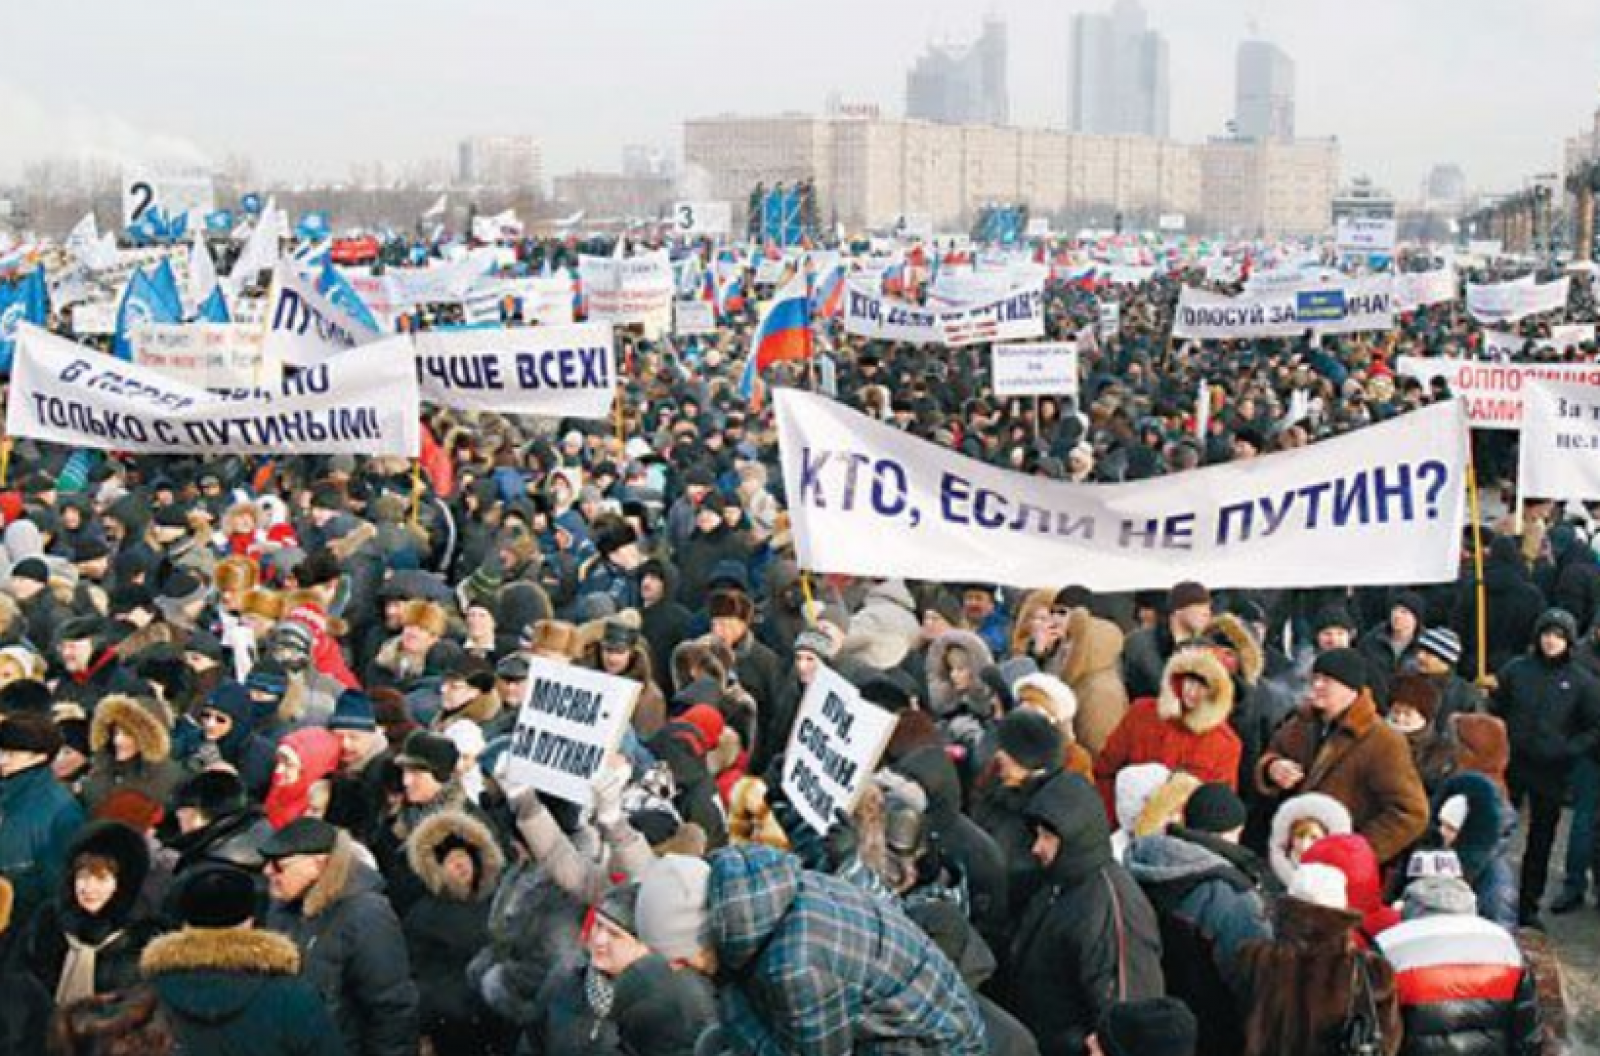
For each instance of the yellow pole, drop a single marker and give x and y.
(810, 598)
(1477, 568)
(416, 491)
(5, 461)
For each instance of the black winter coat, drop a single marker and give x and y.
(446, 927)
(1552, 716)
(355, 956)
(699, 557)
(962, 843)
(1513, 604)
(44, 944)
(1465, 989)
(696, 798)
(24, 1015)
(1577, 584)
(233, 839)
(1089, 930)
(998, 811)
(664, 625)
(660, 1011)
(760, 673)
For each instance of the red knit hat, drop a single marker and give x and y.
(707, 723)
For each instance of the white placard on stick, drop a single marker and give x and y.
(1560, 438)
(1044, 369)
(837, 740)
(694, 318)
(571, 719)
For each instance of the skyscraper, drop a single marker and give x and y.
(1263, 106)
(962, 83)
(1119, 73)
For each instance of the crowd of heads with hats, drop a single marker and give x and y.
(294, 680)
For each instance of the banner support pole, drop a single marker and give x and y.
(1482, 621)
(416, 492)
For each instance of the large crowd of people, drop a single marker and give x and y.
(255, 712)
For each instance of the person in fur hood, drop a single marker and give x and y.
(460, 864)
(131, 750)
(1298, 823)
(88, 939)
(1185, 728)
(1236, 645)
(228, 986)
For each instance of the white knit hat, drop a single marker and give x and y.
(1321, 885)
(673, 918)
(1453, 812)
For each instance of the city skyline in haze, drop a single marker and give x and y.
(306, 91)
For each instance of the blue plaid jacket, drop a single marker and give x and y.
(819, 967)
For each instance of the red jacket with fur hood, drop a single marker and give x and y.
(1198, 741)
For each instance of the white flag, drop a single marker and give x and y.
(202, 272)
(437, 208)
(304, 328)
(261, 252)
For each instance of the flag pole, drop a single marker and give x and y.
(416, 492)
(1482, 628)
(809, 598)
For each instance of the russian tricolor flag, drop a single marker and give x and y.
(894, 279)
(730, 288)
(783, 335)
(828, 298)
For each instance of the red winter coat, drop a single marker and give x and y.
(1198, 742)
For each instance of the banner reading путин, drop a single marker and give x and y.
(1382, 505)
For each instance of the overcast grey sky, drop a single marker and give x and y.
(306, 87)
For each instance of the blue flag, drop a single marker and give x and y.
(312, 226)
(220, 221)
(24, 301)
(166, 282)
(332, 284)
(142, 302)
(215, 308)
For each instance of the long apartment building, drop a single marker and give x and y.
(870, 171)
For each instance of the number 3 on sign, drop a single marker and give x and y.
(686, 217)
